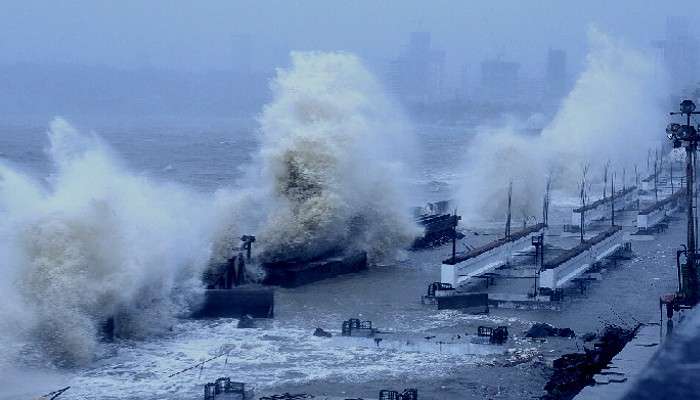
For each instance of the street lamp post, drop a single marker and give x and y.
(687, 136)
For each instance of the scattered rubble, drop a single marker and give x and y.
(574, 371)
(288, 396)
(408, 394)
(540, 330)
(321, 333)
(497, 335)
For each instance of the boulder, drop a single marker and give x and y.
(321, 333)
(540, 330)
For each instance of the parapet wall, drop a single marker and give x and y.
(560, 271)
(600, 209)
(486, 258)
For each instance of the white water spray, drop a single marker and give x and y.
(332, 162)
(612, 113)
(98, 242)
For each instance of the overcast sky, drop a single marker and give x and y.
(198, 34)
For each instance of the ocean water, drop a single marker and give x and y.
(435, 351)
(208, 157)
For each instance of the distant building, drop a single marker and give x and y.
(464, 88)
(499, 81)
(417, 75)
(555, 75)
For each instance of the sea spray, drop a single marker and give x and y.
(615, 104)
(332, 163)
(497, 158)
(612, 113)
(98, 241)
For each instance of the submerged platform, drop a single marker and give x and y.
(296, 273)
(253, 300)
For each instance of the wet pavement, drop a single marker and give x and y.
(627, 294)
(436, 352)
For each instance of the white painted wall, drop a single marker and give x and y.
(558, 277)
(463, 271)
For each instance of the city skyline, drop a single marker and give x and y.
(182, 36)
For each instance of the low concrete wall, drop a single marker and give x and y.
(560, 276)
(460, 272)
(294, 274)
(256, 301)
(476, 302)
(646, 221)
(600, 209)
(650, 216)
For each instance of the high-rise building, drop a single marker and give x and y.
(464, 82)
(417, 75)
(555, 75)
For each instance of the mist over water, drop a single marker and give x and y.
(611, 114)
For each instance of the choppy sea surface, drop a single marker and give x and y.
(205, 157)
(213, 154)
(433, 350)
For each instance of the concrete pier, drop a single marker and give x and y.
(253, 300)
(296, 273)
(488, 257)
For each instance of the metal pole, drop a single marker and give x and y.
(687, 136)
(612, 198)
(695, 192)
(510, 196)
(670, 165)
(455, 222)
(692, 284)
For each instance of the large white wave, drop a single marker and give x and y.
(98, 241)
(613, 113)
(332, 162)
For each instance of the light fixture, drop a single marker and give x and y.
(687, 107)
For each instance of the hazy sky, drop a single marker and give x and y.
(198, 34)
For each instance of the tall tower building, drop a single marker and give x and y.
(417, 75)
(555, 75)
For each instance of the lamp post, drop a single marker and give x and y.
(538, 243)
(687, 136)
